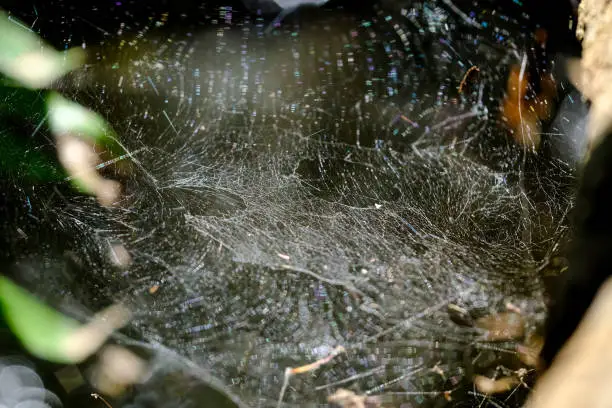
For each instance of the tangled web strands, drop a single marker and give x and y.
(288, 195)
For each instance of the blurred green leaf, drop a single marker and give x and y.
(42, 330)
(67, 117)
(25, 58)
(27, 62)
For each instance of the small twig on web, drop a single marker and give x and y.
(446, 394)
(101, 398)
(410, 321)
(104, 164)
(351, 378)
(544, 265)
(347, 285)
(473, 68)
(402, 377)
(290, 371)
(520, 95)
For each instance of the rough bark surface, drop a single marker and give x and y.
(595, 74)
(580, 374)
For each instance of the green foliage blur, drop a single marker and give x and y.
(30, 111)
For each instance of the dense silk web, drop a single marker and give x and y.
(325, 184)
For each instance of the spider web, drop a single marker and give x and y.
(323, 185)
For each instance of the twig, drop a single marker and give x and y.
(101, 398)
(351, 378)
(290, 371)
(409, 321)
(381, 387)
(473, 68)
(347, 285)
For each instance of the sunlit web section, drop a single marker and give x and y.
(323, 185)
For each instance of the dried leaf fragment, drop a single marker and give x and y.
(491, 386)
(502, 326)
(529, 352)
(348, 399)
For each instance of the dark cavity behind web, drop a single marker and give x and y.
(325, 185)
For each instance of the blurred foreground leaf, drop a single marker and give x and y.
(41, 329)
(27, 64)
(26, 59)
(49, 334)
(67, 117)
(76, 130)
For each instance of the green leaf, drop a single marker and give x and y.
(42, 330)
(67, 117)
(25, 58)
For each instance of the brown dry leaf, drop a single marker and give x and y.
(517, 85)
(502, 326)
(529, 352)
(348, 399)
(543, 107)
(491, 386)
(523, 122)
